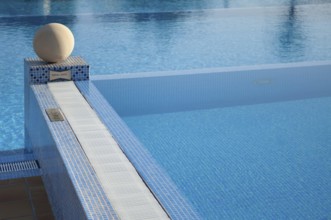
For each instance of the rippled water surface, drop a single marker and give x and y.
(137, 36)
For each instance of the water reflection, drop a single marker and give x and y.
(66, 7)
(225, 3)
(292, 38)
(46, 7)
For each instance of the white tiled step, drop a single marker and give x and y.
(125, 189)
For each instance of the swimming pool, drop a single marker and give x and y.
(247, 162)
(253, 144)
(139, 38)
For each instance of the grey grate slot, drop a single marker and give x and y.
(19, 166)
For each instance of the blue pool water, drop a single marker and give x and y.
(264, 161)
(121, 36)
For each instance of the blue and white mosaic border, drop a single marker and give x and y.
(39, 71)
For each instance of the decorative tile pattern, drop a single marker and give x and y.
(154, 176)
(38, 71)
(74, 190)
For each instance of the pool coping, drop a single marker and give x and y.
(126, 191)
(81, 174)
(163, 188)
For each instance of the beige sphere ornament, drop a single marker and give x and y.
(53, 42)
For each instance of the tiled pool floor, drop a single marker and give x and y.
(24, 199)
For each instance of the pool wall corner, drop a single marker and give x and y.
(70, 181)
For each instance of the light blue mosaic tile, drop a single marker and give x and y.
(154, 176)
(15, 155)
(75, 191)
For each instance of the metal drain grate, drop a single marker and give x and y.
(19, 166)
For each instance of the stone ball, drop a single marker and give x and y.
(53, 42)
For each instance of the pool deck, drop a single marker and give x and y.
(24, 199)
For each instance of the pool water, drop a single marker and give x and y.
(205, 34)
(263, 161)
(69, 7)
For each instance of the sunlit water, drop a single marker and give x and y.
(199, 34)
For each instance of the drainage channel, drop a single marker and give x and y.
(19, 166)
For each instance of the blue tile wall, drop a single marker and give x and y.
(15, 155)
(148, 93)
(155, 177)
(69, 179)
